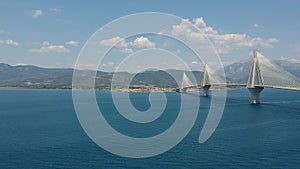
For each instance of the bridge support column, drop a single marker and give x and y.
(206, 90)
(183, 90)
(255, 94)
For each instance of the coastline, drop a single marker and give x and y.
(27, 88)
(117, 90)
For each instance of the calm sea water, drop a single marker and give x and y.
(39, 129)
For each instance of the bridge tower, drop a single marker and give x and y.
(205, 82)
(255, 81)
(185, 83)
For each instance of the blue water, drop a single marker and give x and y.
(39, 129)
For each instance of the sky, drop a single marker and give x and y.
(52, 33)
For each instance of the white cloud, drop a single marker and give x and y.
(224, 43)
(252, 42)
(293, 60)
(72, 43)
(108, 64)
(126, 50)
(256, 25)
(50, 48)
(195, 62)
(139, 42)
(9, 42)
(118, 42)
(273, 40)
(182, 29)
(45, 43)
(36, 13)
(142, 42)
(199, 22)
(46, 47)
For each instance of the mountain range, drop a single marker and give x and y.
(28, 76)
(238, 72)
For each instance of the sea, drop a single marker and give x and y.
(40, 129)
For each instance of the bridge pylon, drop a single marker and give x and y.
(205, 82)
(255, 80)
(185, 84)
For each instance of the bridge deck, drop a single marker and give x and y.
(243, 85)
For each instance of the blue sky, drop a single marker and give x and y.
(52, 33)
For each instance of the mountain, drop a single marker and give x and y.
(28, 76)
(239, 71)
(28, 71)
(290, 65)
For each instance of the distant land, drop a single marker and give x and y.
(239, 72)
(28, 76)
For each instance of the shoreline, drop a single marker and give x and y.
(25, 88)
(134, 90)
(117, 90)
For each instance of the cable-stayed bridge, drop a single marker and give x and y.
(263, 74)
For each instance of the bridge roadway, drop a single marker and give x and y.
(242, 85)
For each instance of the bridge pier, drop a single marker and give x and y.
(206, 90)
(255, 94)
(183, 90)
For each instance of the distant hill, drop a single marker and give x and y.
(239, 71)
(33, 76)
(8, 72)
(290, 65)
(28, 76)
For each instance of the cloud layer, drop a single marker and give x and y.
(223, 42)
(197, 31)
